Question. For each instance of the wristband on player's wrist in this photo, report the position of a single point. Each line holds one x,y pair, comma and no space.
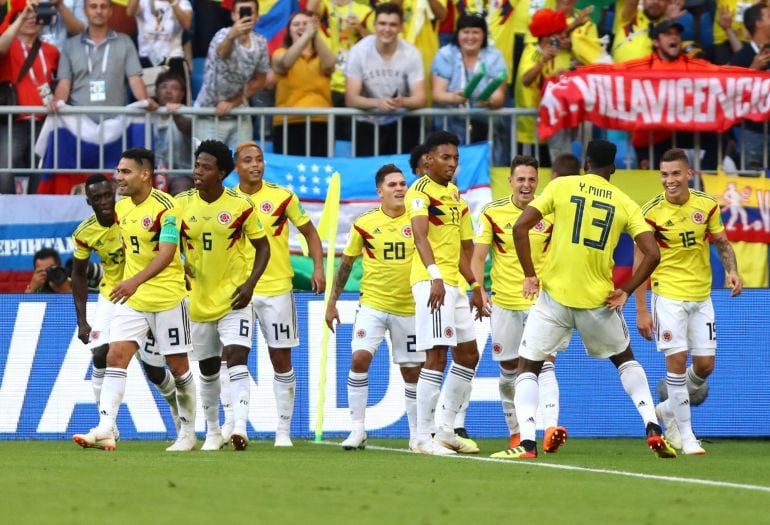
434,272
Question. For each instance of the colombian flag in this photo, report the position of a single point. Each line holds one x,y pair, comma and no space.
273,19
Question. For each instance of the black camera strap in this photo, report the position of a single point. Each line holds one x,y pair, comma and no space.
30,60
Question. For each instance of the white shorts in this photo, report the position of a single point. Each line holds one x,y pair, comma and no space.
148,353
507,327
170,328
209,338
277,317
603,331
449,325
100,329
684,325
369,331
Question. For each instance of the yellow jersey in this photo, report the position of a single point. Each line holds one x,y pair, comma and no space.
276,206
443,208
387,246
684,272
632,37
589,214
105,241
736,8
140,227
495,228
214,239
339,36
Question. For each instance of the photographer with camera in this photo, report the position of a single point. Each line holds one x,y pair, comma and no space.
60,19
49,275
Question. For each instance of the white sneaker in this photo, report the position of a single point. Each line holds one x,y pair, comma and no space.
214,442
116,433
451,442
692,448
433,448
413,444
356,440
94,439
227,430
185,442
673,436
282,439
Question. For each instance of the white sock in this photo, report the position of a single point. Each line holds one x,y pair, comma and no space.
549,395
506,387
358,395
410,403
167,389
694,381
97,378
460,417
284,386
113,389
679,403
210,402
240,391
186,400
428,388
225,395
456,394
635,384
526,399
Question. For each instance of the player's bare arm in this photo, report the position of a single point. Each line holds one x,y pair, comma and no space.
317,281
478,260
646,243
422,245
644,321
242,295
478,297
727,256
529,217
340,280
80,297
125,289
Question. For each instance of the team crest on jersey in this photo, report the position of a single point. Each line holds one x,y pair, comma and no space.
539,227
497,348
406,231
667,336
360,333
266,207
448,332
146,222
698,217
224,218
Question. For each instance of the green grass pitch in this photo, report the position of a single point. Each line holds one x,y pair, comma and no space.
592,481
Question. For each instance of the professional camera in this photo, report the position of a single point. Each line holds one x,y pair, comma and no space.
56,275
555,41
46,12
94,274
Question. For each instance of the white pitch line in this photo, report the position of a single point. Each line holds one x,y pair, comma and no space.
530,463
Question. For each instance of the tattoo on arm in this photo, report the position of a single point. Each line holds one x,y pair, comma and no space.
343,272
726,255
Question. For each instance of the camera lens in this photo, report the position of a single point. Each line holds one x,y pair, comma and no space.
56,275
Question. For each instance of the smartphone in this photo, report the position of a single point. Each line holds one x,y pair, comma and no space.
244,12
555,41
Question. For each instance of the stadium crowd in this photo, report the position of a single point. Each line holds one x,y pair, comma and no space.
365,54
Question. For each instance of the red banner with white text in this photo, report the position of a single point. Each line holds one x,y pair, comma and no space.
712,99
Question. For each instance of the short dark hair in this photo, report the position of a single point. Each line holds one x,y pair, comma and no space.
752,15
141,156
388,8
601,153
566,164
384,171
218,150
471,20
96,178
524,160
46,253
673,155
438,138
415,156
170,75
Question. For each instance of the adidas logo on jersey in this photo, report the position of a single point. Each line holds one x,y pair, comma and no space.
508,226
376,231
193,219
669,223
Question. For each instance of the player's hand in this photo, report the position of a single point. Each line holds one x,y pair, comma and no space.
531,287
332,315
242,295
480,302
644,324
318,281
734,281
436,297
84,333
123,291
616,300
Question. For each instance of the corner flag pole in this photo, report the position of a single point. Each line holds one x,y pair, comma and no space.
327,229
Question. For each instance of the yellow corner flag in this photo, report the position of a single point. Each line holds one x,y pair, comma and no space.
327,230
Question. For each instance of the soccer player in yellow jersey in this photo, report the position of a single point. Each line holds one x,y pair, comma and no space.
273,298
383,236
100,233
589,214
217,225
151,297
682,317
442,314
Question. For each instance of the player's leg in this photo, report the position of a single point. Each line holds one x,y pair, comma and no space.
154,365
507,326
225,396
99,365
100,343
555,435
405,355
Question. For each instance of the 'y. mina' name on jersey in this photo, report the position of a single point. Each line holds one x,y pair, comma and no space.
589,214
444,209
215,236
387,246
140,226
495,228
105,241
276,207
684,272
